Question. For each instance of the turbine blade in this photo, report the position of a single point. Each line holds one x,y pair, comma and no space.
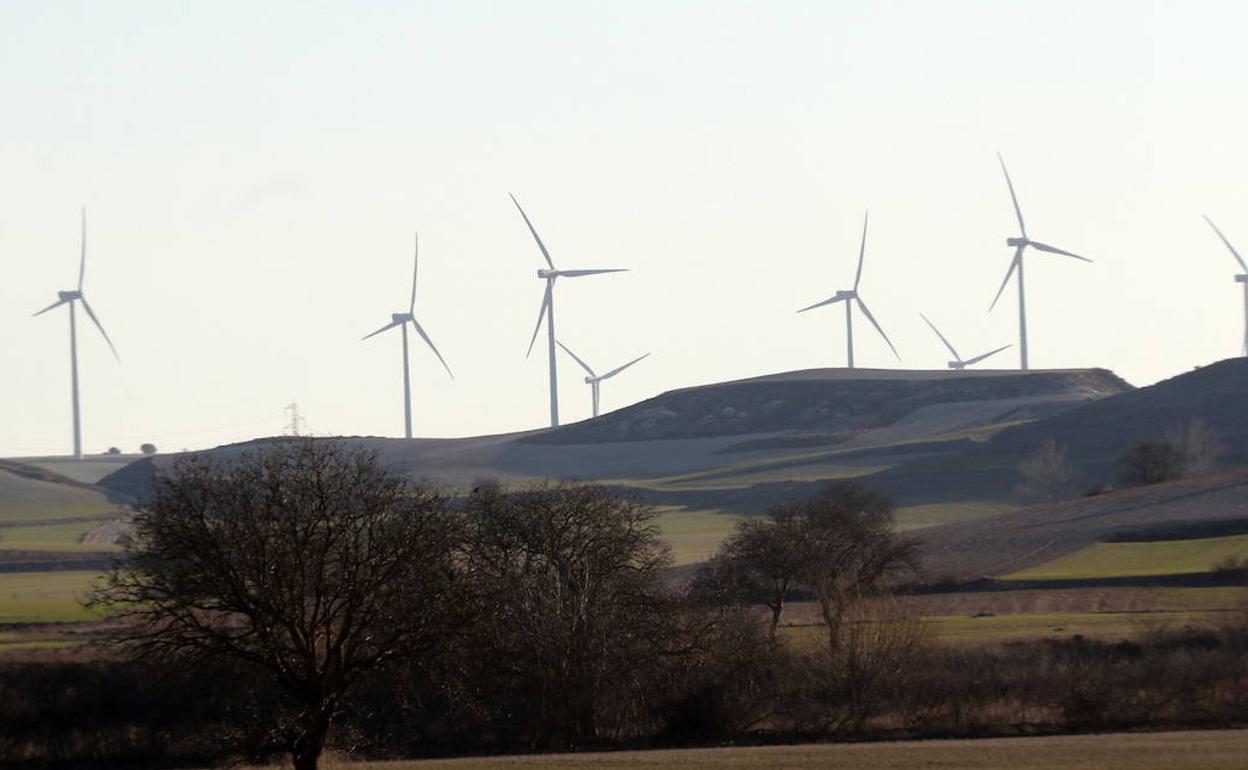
576,358
56,304
415,264
862,251
1018,255
82,262
87,307
1234,253
1054,250
432,347
863,307
541,313
932,326
979,358
827,301
536,237
619,369
579,273
1013,197
390,325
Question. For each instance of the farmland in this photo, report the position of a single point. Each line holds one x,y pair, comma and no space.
1195,750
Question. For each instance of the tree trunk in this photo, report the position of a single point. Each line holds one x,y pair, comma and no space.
305,753
776,609
831,619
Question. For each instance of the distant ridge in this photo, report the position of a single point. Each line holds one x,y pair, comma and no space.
826,400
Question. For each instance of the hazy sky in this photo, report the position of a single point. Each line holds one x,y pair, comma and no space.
253,174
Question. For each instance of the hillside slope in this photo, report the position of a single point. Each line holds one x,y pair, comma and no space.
1014,541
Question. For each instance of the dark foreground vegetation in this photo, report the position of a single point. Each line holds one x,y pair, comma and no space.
305,598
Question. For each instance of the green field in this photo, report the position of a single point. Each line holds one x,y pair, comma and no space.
934,514
1194,750
44,597
88,470
694,535
52,537
1163,557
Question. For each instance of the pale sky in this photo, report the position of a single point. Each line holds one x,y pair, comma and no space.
253,174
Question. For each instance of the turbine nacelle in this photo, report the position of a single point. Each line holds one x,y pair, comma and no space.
547,274
957,365
1241,278
401,318
1016,242
69,296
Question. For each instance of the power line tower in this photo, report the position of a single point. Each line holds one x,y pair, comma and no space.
292,427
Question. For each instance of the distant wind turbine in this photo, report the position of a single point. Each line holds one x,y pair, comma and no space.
547,310
594,380
852,294
401,320
1241,278
958,362
1020,245
70,298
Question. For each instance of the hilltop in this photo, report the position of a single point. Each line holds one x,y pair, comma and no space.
737,425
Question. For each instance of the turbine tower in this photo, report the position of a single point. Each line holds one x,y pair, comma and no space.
594,380
401,320
958,363
852,294
1241,278
71,298
547,310
1020,245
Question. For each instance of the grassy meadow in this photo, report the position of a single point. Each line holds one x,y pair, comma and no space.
1162,557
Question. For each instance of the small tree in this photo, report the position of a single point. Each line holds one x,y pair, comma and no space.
759,561
848,548
307,562
1152,461
148,449
1044,473
112,450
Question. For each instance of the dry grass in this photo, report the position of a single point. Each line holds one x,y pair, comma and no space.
1196,750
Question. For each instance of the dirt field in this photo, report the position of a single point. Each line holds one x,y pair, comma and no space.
1203,750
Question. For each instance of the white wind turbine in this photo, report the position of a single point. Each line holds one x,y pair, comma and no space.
958,362
547,310
401,320
71,298
1020,245
1241,278
594,380
852,294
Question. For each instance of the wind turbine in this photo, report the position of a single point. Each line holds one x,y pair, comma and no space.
1241,278
593,380
1020,245
401,320
958,362
548,309
852,294
70,298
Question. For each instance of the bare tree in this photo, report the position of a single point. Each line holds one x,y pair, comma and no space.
1199,445
1044,474
759,561
569,581
305,561
848,548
